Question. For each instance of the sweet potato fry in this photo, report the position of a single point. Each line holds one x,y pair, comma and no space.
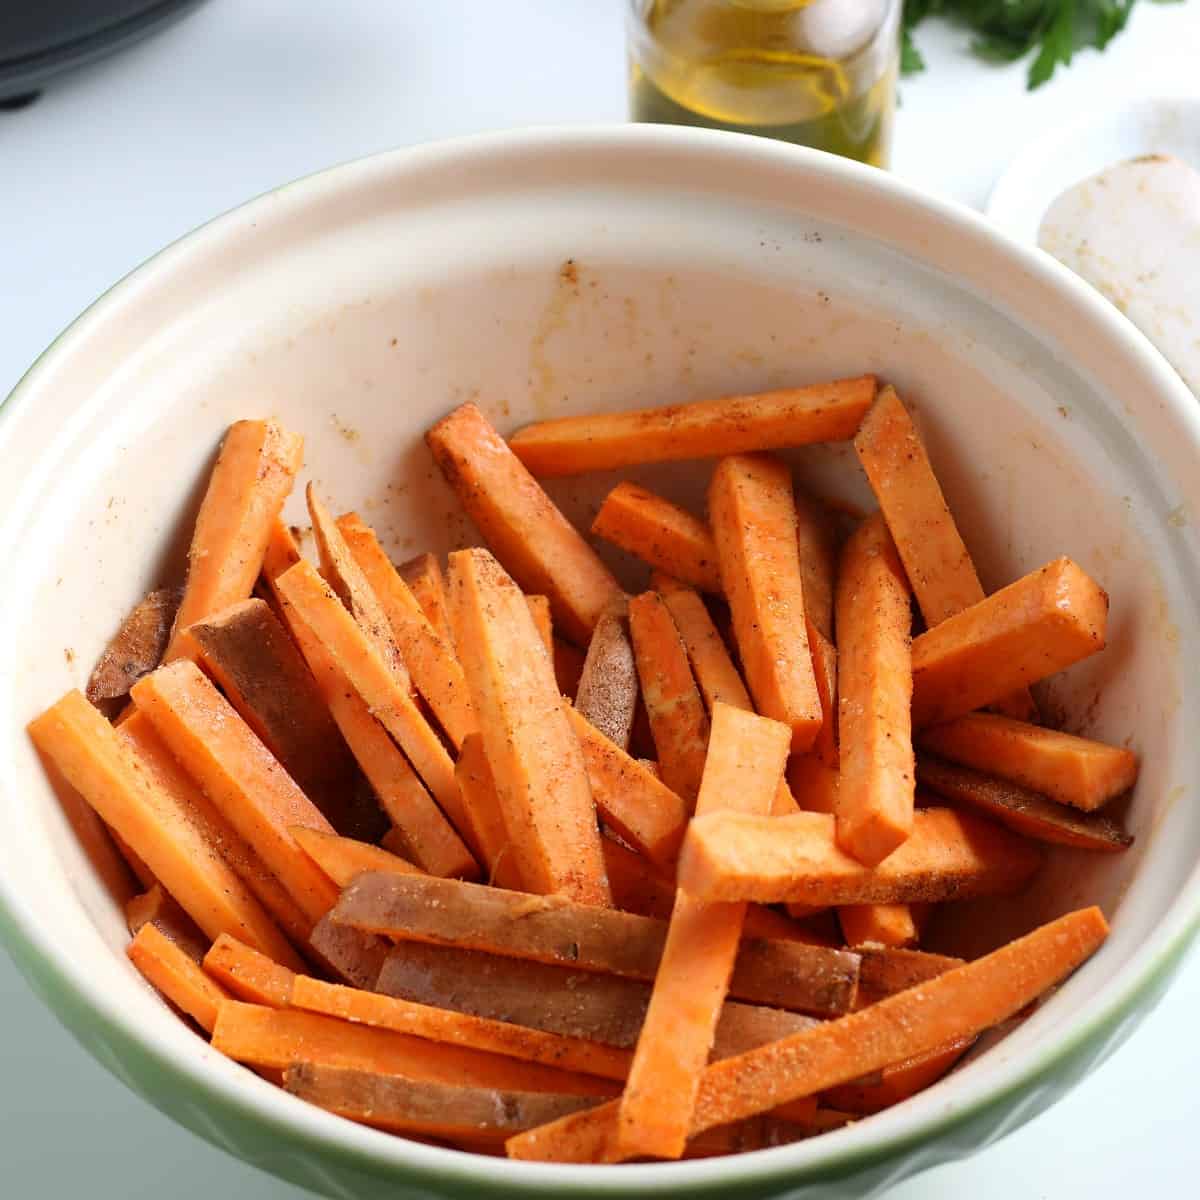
883,971
537,764
343,859
607,694
716,674
958,1004
552,930
263,675
814,783
633,801
354,957
344,657
1067,769
439,1024
254,473
280,1038
423,1107
1041,624
816,543
678,721
239,775
535,543
247,975
430,660
949,856
753,518
574,1004
827,412
94,760
875,772
1020,809
490,839
878,924
896,1082
423,575
136,648
742,772
825,669
155,907
660,533
539,610
177,976
637,886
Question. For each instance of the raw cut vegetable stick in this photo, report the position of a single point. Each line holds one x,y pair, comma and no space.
248,975
156,907
430,660
949,856
959,1004
936,560
152,754
423,575
342,859
94,760
491,840
753,517
346,657
875,772
678,721
1067,769
553,930
826,412
1029,814
630,797
607,694
660,533
422,1107
268,1037
576,1004
264,676
354,957
439,1024
883,971
239,775
878,924
539,610
1041,624
177,976
743,770
816,543
136,648
896,1082
536,544
254,473
537,764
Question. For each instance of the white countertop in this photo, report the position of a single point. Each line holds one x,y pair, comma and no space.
113,163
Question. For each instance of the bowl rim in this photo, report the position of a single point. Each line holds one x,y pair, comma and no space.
66,988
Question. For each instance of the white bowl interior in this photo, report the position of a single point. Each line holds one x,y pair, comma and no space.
361,306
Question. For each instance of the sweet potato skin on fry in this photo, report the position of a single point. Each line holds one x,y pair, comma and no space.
535,543
608,688
827,412
136,648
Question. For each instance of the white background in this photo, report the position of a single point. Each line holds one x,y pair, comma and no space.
113,163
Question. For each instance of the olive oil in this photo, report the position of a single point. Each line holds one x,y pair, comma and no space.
817,73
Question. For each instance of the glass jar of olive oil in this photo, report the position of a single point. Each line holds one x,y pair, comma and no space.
816,72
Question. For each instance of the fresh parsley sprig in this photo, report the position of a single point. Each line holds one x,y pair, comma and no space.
1006,30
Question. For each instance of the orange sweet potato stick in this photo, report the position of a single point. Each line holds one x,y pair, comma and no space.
176,976
937,562
1028,813
423,575
254,473
475,1117
878,924
677,718
248,975
262,673
342,859
660,533
460,1029
743,770
753,516
268,1037
156,907
633,801
349,658
239,775
816,544
637,887
537,764
1041,624
535,543
607,694
959,1004
827,412
875,784
896,1082
949,856
431,661
103,769
492,845
1067,769
539,610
